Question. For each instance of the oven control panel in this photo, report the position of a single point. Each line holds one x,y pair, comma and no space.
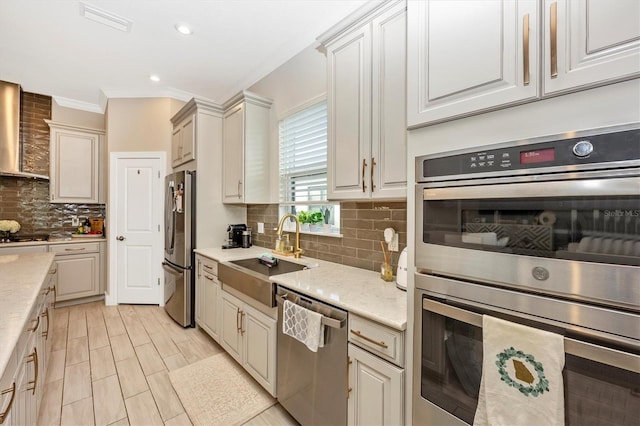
606,148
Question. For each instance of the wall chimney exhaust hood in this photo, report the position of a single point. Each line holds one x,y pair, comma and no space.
10,149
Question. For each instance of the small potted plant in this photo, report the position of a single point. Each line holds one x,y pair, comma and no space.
304,218
316,219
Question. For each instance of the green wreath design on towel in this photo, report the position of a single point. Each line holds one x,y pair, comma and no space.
512,354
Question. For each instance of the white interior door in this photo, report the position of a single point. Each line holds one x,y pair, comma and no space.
136,237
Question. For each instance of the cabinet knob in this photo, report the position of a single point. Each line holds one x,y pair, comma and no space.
120,238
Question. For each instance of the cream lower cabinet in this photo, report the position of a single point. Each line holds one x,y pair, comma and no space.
78,270
376,373
249,336
208,296
22,383
367,154
377,389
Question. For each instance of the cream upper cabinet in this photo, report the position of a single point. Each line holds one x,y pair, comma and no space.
245,149
468,56
76,164
595,42
183,141
366,105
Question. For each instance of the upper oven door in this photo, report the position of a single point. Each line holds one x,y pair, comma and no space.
560,234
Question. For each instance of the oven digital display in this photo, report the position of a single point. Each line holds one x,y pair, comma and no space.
537,156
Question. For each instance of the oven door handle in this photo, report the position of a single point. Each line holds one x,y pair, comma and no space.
566,188
590,351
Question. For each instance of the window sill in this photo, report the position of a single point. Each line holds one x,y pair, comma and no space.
320,233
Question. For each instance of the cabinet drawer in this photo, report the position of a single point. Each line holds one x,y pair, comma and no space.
209,266
378,339
64,249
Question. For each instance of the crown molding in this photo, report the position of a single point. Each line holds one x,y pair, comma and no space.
75,104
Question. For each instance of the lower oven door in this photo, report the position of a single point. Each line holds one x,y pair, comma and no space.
601,383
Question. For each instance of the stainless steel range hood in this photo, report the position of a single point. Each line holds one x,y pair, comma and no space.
10,149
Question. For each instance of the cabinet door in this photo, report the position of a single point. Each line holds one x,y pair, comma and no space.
260,347
74,168
230,337
388,131
469,56
176,146
595,42
377,396
233,155
349,115
210,312
188,142
78,276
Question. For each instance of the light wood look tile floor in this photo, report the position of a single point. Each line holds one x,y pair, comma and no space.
110,365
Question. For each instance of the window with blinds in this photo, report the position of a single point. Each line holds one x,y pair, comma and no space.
303,156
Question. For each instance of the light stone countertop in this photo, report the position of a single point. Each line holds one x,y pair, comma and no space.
21,278
356,290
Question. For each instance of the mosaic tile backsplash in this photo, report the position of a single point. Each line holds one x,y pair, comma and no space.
27,200
362,225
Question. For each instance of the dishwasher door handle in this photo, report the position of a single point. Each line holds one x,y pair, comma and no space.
328,321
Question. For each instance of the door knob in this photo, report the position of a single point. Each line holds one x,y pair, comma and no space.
120,238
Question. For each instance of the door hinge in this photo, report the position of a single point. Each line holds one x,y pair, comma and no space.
158,228
158,281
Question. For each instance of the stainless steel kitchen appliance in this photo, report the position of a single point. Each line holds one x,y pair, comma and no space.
312,386
179,241
542,232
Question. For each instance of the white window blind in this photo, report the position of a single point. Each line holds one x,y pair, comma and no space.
303,155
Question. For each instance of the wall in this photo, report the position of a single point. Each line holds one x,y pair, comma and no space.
78,117
27,200
361,223
140,124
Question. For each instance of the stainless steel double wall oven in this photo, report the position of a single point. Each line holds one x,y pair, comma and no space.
541,232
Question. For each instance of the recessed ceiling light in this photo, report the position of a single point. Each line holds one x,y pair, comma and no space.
107,18
183,28
154,78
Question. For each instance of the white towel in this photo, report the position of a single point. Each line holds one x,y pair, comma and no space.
303,325
521,376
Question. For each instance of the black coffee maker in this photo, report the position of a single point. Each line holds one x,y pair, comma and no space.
235,236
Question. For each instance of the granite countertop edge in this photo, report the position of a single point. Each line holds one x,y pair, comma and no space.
359,291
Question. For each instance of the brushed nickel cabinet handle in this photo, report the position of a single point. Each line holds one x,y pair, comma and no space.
12,389
208,277
553,42
199,263
238,319
364,166
369,339
82,248
373,163
55,295
242,330
34,358
526,77
239,185
204,265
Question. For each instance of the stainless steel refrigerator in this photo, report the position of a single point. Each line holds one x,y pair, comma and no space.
179,240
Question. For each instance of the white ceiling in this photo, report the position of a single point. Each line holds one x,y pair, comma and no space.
49,48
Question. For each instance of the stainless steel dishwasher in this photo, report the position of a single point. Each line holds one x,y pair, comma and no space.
312,386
